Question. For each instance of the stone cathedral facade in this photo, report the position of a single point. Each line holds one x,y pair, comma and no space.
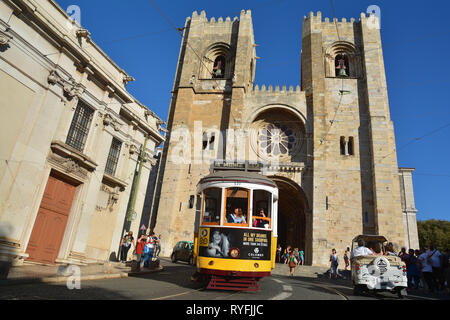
327,142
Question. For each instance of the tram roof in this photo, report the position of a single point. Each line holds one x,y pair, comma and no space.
242,176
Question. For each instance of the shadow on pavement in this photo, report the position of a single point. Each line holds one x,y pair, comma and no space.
175,273
344,286
44,291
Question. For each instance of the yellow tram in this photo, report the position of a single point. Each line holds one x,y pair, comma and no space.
236,229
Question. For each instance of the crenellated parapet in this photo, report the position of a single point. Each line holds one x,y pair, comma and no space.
213,20
317,18
292,98
270,90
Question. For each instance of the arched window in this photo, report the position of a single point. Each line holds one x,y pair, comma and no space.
342,59
217,62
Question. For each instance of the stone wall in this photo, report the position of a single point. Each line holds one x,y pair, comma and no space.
346,167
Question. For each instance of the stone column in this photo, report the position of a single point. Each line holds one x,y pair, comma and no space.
408,208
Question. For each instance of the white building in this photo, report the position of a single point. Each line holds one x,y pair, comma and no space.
70,140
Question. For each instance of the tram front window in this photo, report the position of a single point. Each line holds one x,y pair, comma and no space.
261,209
237,206
211,205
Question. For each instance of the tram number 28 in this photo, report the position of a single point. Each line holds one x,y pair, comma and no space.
204,237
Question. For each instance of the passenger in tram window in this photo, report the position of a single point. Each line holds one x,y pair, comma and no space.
260,223
237,216
206,217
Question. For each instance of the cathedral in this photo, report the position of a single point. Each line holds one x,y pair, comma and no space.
328,143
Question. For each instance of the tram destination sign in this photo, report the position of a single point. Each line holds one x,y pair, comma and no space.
243,166
218,242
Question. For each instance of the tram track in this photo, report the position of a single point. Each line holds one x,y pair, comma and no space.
288,290
334,290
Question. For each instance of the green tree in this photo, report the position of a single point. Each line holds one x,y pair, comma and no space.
436,231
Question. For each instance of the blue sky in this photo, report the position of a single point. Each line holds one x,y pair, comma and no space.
416,43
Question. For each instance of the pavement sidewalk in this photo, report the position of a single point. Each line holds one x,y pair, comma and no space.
37,273
309,271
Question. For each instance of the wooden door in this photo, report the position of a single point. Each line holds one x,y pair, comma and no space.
51,221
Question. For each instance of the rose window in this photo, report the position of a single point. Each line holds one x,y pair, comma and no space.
277,139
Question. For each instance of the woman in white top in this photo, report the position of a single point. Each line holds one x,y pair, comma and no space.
237,216
334,264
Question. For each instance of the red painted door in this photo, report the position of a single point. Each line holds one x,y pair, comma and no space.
51,220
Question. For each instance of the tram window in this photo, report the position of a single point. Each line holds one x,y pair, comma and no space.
211,205
237,206
261,209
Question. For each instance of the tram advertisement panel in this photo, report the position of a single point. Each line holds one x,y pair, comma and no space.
223,242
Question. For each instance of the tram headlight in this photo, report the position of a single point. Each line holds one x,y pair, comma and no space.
235,253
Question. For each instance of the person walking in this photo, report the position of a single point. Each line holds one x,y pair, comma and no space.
347,258
427,271
297,255
334,261
417,253
157,246
286,254
292,262
434,259
446,268
140,248
148,251
403,255
278,254
125,245
301,254
412,269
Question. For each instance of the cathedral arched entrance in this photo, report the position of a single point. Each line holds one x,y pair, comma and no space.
293,222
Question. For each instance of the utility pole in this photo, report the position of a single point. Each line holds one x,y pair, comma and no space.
136,186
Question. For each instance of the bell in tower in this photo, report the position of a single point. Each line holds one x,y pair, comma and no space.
341,65
219,67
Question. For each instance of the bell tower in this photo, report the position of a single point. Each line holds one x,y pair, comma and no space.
354,168
215,71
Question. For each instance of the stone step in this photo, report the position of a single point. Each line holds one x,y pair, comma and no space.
300,270
312,272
